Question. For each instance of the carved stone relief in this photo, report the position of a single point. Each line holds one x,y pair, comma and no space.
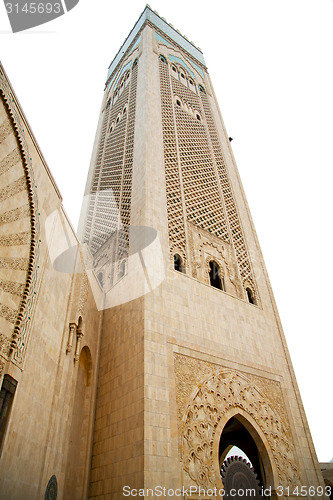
199,190
83,293
19,231
4,344
204,394
273,393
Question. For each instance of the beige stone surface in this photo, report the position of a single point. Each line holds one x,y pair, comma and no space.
327,471
217,332
136,386
47,423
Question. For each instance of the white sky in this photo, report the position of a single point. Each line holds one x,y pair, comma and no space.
271,67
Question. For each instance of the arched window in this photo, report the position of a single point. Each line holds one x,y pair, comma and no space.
162,58
178,263
108,104
250,296
214,276
183,76
202,89
135,63
178,102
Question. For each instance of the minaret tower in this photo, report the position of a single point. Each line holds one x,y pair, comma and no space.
193,357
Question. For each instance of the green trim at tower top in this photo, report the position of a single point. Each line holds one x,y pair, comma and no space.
162,25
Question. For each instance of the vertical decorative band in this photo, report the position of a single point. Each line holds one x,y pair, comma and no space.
176,224
28,291
243,259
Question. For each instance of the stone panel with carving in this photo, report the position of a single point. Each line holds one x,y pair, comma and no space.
204,394
19,230
273,392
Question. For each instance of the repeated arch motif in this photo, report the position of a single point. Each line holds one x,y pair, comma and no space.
181,74
120,85
121,115
193,112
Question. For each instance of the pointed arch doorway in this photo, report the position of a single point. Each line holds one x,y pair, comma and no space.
248,472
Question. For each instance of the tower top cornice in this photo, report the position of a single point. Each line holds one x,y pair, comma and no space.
153,18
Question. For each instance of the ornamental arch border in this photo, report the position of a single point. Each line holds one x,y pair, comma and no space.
212,403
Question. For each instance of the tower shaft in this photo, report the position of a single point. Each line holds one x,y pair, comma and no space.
193,356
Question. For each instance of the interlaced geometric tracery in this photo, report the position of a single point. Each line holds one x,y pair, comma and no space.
238,239
174,198
193,161
203,202
110,196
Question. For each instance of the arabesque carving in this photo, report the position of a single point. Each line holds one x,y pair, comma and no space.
4,344
8,161
217,394
83,293
273,392
18,264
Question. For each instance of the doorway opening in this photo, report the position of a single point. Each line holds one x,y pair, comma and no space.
240,461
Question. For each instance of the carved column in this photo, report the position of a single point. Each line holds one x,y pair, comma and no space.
72,330
79,335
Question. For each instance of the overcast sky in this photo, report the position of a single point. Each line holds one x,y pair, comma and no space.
272,71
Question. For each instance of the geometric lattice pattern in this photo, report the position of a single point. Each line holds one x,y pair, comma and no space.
197,183
238,239
126,185
176,224
110,196
204,206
